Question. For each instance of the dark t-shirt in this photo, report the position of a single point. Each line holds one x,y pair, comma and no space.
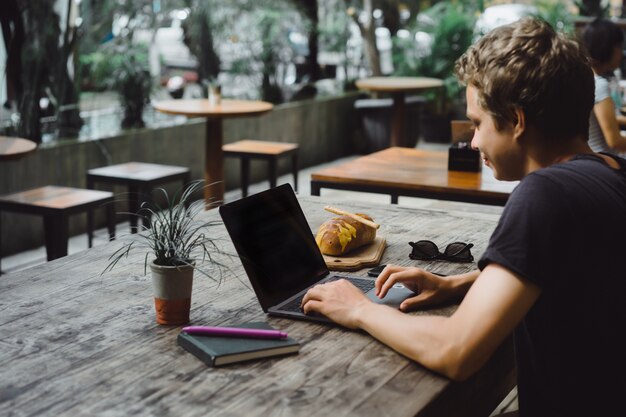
564,229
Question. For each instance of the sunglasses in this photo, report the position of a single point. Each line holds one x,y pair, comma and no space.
425,250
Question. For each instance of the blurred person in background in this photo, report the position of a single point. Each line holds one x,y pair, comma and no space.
603,41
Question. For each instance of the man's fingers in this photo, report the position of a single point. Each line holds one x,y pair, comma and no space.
402,276
383,277
413,303
312,294
311,306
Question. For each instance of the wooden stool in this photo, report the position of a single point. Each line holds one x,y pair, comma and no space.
140,178
270,151
56,204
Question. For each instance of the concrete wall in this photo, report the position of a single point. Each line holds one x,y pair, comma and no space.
324,128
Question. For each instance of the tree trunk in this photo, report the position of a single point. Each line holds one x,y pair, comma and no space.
29,126
371,51
368,33
309,8
65,89
13,33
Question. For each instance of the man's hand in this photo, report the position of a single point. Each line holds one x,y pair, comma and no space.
337,300
430,289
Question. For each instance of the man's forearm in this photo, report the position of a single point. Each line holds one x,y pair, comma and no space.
461,283
425,339
420,338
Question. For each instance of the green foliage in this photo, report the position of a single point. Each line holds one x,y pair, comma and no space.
175,237
451,27
132,81
199,38
263,46
96,68
97,18
122,67
334,32
557,14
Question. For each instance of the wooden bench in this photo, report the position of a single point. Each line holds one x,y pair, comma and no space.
55,205
269,151
140,178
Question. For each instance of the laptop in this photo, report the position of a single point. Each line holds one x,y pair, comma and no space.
278,251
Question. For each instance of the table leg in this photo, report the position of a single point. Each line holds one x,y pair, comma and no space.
0,243
245,175
134,202
90,221
56,236
315,188
398,121
213,164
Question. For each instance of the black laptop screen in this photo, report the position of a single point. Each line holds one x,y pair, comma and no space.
275,244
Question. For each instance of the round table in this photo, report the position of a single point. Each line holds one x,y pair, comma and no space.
15,148
213,155
398,87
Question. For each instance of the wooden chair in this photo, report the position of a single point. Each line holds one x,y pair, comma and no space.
269,151
55,205
140,178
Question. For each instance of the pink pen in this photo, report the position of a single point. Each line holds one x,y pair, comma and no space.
235,332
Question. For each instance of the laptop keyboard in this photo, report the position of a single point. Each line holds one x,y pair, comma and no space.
363,284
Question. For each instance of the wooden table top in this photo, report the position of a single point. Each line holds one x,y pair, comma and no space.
203,108
255,147
405,170
14,148
138,171
54,197
78,343
398,84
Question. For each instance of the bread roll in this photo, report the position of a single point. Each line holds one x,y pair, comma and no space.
340,235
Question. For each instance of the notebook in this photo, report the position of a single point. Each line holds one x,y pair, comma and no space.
219,350
279,254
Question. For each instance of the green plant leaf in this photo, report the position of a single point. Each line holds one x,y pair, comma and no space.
175,236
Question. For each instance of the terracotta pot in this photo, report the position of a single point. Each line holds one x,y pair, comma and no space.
172,293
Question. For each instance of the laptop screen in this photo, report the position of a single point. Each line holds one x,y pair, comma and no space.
275,244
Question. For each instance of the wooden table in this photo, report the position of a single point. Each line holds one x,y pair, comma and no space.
15,148
398,87
413,173
78,343
213,156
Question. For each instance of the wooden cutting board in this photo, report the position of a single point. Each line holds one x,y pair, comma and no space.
368,255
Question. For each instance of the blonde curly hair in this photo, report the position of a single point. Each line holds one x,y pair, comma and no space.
528,65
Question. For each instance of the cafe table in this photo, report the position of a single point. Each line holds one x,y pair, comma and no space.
398,87
214,114
12,148
78,343
413,173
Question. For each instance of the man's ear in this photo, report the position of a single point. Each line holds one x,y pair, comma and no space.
519,127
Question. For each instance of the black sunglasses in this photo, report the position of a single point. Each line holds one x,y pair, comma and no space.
425,250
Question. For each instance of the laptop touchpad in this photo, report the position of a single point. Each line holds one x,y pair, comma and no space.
395,296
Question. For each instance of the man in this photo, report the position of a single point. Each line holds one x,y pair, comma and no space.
553,272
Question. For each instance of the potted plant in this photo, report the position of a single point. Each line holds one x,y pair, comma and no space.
176,244
123,67
133,83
